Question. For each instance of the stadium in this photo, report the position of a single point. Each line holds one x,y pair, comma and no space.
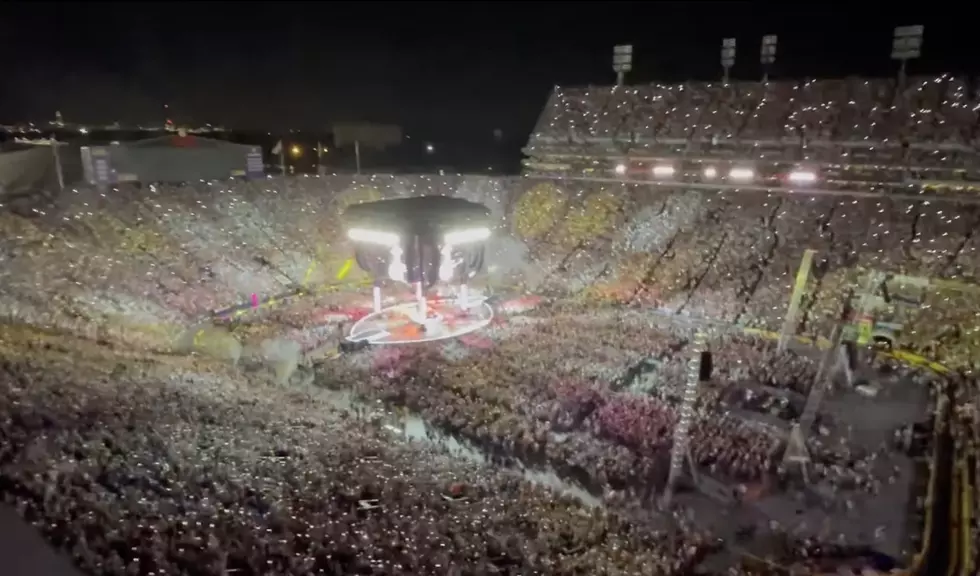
721,328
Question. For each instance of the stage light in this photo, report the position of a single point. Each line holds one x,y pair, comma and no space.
710,173
663,171
466,236
620,169
446,265
802,177
396,266
373,237
741,174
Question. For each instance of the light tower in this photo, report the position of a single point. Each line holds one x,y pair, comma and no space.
622,61
767,57
681,448
906,45
727,56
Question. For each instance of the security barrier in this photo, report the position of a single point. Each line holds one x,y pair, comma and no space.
955,521
917,563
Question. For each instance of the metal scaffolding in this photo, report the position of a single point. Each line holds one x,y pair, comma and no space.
681,448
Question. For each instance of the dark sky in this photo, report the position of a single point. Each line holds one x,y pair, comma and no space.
443,70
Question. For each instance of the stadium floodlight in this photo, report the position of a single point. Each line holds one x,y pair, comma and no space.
620,169
802,177
727,56
767,56
906,45
466,236
741,174
373,237
663,171
710,173
622,61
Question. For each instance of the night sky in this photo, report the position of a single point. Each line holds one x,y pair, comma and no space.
445,71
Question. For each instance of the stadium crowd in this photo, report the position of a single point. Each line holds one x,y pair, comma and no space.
239,474
141,461
930,122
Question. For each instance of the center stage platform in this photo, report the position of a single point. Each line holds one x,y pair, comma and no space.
402,323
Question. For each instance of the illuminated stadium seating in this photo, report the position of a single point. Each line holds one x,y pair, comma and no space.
929,126
148,273
174,255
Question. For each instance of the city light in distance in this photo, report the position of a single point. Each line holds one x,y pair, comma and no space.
663,171
710,173
620,169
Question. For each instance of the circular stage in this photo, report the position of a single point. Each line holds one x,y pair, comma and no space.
400,324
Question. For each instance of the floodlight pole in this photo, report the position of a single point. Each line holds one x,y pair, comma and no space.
727,57
768,55
622,62
906,45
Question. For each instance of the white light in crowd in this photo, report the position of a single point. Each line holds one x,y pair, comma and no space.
373,237
466,236
742,174
802,177
710,172
620,169
396,266
447,266
665,171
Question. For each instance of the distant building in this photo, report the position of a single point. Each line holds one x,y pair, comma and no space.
177,158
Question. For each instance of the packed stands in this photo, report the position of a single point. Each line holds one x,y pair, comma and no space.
871,131
155,421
